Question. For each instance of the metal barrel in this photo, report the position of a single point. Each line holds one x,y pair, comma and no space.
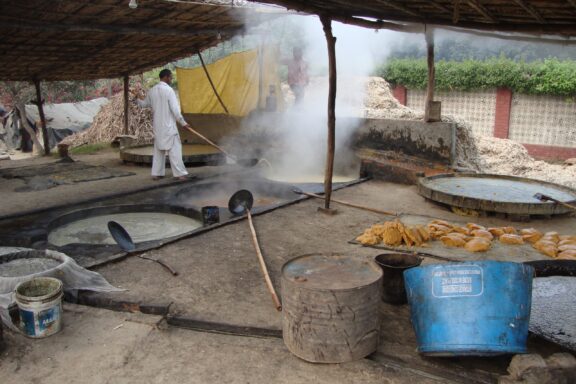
330,307
477,308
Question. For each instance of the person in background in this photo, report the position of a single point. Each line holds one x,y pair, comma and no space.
297,74
166,112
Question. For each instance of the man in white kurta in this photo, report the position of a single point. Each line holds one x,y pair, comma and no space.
166,112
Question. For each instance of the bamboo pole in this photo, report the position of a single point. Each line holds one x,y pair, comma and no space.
126,102
211,143
331,43
431,73
271,289
39,104
352,205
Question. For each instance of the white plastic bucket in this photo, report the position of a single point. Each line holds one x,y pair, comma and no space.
40,306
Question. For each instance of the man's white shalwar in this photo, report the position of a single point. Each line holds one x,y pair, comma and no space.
165,111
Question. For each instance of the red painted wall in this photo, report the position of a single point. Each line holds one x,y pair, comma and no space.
400,93
502,116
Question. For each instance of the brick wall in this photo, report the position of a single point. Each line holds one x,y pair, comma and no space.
543,120
502,113
478,108
546,125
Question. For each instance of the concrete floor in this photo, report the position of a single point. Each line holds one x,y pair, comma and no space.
220,281
17,202
98,346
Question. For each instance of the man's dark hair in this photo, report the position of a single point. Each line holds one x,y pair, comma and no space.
164,73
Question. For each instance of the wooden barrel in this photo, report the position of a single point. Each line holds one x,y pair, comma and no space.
330,307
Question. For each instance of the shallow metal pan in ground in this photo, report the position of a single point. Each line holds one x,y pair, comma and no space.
96,237
266,194
495,193
191,154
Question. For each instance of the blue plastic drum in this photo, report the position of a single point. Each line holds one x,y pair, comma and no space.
478,308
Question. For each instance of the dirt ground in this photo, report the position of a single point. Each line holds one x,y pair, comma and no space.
220,281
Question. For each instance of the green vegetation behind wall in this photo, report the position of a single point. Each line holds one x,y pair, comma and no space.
547,77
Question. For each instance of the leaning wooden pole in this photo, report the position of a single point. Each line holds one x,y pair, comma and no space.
331,42
126,104
212,83
40,105
431,74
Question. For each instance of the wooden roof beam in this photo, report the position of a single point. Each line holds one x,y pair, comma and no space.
440,7
350,20
573,2
530,9
116,29
400,8
481,10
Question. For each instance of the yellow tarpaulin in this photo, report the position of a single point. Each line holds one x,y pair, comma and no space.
239,80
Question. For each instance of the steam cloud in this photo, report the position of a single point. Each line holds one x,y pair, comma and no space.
297,137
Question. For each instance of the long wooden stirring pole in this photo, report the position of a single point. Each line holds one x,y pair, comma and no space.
211,143
342,202
263,264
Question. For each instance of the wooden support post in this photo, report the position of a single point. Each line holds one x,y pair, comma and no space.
40,105
331,42
126,102
428,116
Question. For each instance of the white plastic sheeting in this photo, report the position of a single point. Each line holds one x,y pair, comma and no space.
73,276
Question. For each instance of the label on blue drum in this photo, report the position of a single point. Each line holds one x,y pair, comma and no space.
457,281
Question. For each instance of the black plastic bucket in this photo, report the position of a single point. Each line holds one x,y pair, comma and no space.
210,215
393,266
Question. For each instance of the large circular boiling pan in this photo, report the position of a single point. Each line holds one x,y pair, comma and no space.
496,193
191,154
145,222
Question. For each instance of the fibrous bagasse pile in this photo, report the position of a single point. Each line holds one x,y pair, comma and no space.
109,123
479,154
507,157
380,103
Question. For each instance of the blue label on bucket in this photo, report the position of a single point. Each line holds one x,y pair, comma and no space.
47,318
457,280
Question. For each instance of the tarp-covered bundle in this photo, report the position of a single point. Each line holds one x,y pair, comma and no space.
67,118
62,120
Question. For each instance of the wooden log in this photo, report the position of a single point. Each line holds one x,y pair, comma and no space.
431,74
39,104
332,84
126,101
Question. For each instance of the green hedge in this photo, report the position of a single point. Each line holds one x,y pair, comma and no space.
549,77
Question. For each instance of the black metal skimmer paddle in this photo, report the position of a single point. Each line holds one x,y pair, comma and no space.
124,241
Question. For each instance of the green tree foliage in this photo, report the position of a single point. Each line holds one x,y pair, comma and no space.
547,77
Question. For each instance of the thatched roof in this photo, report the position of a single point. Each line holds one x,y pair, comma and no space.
555,17
82,39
